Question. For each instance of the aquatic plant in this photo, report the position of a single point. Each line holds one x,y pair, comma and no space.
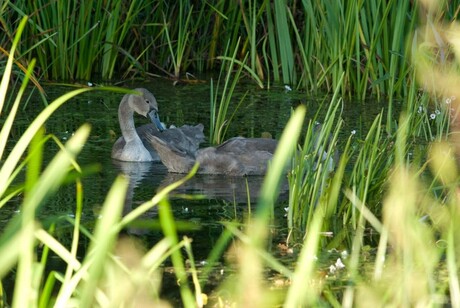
312,167
177,53
306,45
220,101
76,40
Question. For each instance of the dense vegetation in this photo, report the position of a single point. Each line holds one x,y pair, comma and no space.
306,44
384,181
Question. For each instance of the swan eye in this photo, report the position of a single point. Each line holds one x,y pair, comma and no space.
147,101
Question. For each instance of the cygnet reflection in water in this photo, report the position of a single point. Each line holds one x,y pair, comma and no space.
238,190
138,174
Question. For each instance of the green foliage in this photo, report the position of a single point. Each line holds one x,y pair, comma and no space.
220,102
356,46
385,188
74,40
310,175
177,53
81,280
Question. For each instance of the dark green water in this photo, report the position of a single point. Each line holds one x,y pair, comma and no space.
226,198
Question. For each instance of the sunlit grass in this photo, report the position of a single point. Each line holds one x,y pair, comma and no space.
311,46
220,100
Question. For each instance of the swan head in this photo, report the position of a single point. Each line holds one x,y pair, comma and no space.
146,105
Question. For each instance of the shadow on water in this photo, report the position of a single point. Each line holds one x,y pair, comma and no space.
214,192
240,190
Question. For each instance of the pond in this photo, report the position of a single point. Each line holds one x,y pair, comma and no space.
218,198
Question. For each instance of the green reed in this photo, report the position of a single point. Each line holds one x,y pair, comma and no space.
310,176
182,38
413,224
220,101
303,44
116,35
371,166
404,275
73,40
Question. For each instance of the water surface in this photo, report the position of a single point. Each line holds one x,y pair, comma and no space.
222,198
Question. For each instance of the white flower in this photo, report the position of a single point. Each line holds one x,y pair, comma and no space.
332,269
420,109
339,264
353,132
448,101
432,116
287,88
437,112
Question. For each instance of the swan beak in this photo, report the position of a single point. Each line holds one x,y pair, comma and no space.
156,120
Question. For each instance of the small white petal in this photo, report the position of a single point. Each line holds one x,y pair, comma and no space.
332,269
339,264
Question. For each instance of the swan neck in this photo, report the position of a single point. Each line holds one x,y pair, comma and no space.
126,119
